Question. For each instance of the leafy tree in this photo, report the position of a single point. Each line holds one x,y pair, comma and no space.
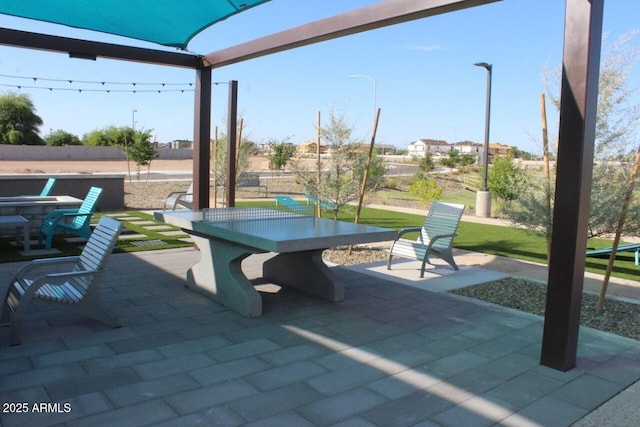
505,179
19,122
466,160
338,183
110,136
142,151
60,138
425,189
452,160
377,170
616,122
280,152
426,163
219,162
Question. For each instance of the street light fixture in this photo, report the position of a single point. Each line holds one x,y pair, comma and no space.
483,197
364,76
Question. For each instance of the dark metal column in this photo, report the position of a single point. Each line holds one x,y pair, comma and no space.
232,135
579,94
201,138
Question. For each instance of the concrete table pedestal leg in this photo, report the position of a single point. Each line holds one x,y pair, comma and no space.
219,276
305,271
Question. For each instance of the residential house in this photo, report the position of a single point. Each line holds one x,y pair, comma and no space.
436,147
497,149
181,143
311,147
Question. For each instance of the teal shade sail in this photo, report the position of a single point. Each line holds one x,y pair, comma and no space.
166,22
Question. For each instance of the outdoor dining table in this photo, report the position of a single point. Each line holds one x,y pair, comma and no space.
35,208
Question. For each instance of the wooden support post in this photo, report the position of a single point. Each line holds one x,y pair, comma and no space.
201,139
232,128
579,95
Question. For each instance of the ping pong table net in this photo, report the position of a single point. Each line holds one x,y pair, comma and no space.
256,214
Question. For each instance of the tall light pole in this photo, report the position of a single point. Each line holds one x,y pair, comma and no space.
483,197
133,119
364,76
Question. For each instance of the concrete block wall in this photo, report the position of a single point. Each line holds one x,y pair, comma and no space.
80,152
75,185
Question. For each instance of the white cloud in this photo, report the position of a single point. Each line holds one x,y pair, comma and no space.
425,48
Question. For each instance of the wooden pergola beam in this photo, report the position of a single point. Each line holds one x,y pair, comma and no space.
91,50
378,15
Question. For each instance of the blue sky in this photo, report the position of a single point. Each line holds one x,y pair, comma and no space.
425,83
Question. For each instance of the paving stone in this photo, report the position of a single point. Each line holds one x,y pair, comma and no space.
210,396
339,407
15,365
408,410
132,236
284,375
599,391
456,363
148,390
280,420
294,354
474,412
66,411
73,355
173,365
274,402
41,376
245,349
143,222
546,412
228,370
131,359
172,233
158,227
145,342
211,416
525,389
344,379
67,388
147,413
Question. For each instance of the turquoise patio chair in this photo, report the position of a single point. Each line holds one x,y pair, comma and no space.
48,187
324,204
291,204
71,221
46,190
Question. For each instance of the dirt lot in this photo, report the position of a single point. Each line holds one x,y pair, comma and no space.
105,166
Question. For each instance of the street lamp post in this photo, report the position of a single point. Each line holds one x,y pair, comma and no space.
133,119
483,196
364,76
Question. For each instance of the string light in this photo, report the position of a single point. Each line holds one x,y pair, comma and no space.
80,90
71,82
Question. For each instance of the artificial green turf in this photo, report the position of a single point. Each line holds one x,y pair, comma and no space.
9,253
504,241
491,239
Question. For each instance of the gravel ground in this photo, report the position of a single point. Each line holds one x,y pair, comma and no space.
620,317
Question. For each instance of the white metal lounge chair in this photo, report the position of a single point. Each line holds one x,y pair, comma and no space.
179,198
76,289
436,236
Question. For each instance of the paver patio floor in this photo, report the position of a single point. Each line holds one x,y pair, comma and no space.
388,355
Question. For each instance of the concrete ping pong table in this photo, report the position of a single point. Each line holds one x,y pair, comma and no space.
226,236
